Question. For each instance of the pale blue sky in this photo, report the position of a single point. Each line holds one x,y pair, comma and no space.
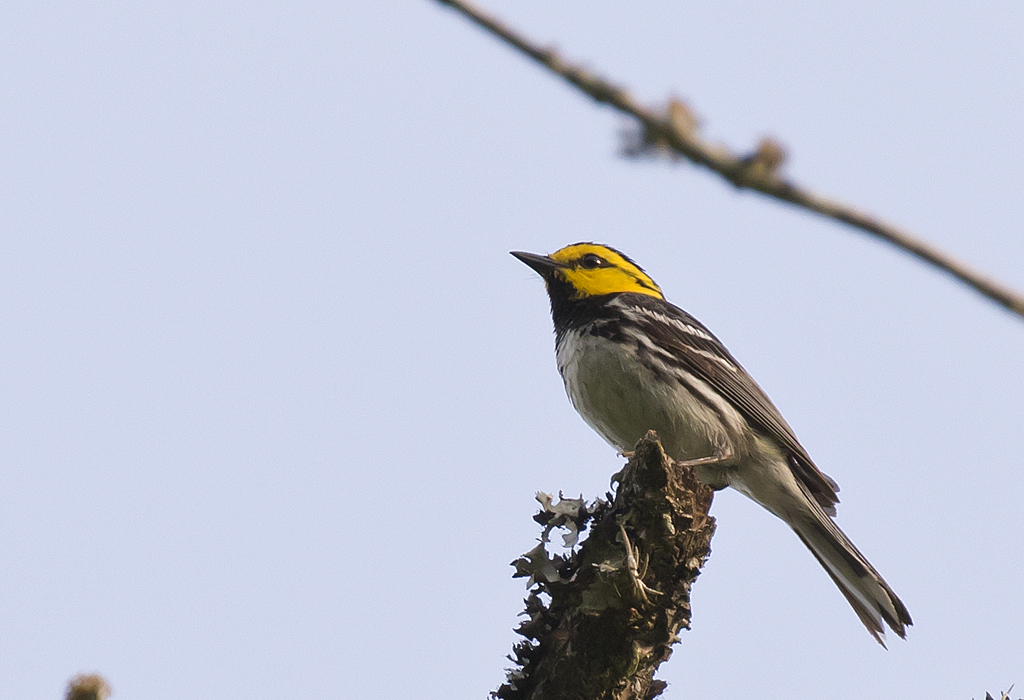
276,398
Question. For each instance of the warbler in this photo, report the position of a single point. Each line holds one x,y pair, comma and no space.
632,362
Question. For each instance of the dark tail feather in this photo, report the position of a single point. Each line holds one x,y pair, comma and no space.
865,589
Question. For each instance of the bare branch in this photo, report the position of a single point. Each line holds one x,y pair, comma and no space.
89,686
675,128
618,602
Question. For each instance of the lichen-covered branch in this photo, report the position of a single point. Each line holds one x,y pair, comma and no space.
676,130
602,619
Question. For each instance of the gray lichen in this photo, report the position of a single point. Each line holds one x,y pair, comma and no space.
615,605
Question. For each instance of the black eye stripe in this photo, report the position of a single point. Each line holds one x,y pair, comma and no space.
592,261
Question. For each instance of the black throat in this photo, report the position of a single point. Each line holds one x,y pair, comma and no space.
570,312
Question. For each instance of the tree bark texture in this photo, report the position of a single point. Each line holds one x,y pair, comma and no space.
603,618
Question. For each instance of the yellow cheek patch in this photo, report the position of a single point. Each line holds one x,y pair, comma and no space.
618,274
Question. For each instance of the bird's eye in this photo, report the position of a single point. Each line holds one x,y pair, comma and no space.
590,261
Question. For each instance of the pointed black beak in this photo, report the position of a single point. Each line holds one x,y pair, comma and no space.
541,264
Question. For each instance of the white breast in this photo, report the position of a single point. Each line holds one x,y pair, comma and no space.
621,398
